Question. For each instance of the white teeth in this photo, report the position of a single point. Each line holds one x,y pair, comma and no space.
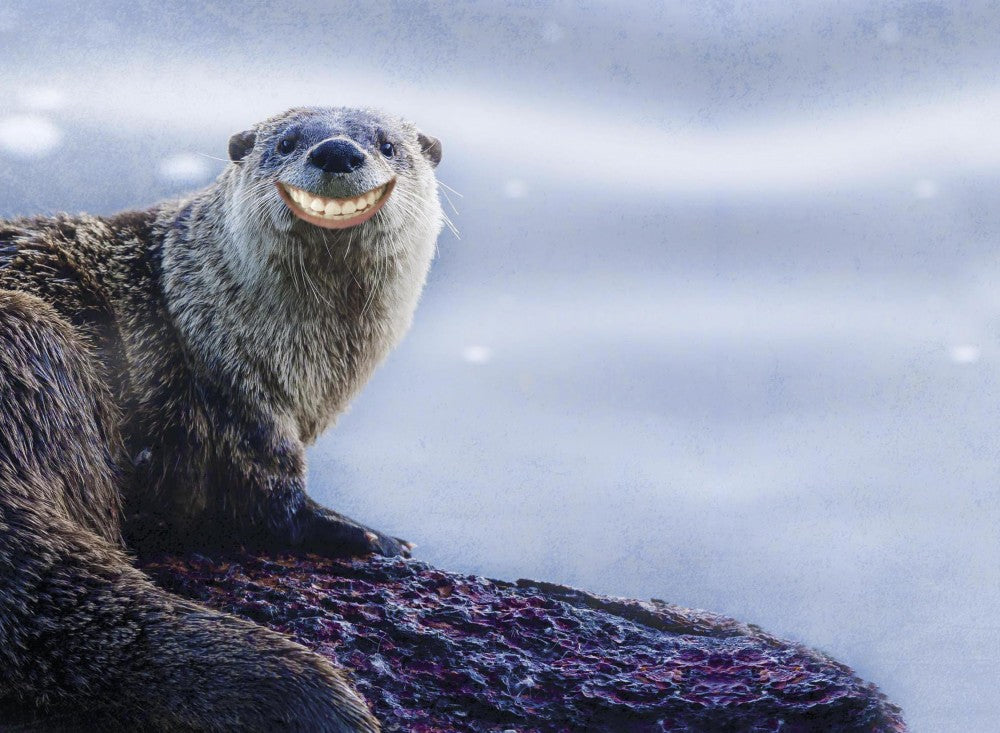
333,208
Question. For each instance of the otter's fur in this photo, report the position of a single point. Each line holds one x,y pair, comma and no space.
161,372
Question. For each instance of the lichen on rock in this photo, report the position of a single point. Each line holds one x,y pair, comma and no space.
438,651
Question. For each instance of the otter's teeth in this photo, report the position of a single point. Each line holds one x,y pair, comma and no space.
333,208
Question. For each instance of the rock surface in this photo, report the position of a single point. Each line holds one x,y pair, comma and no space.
437,651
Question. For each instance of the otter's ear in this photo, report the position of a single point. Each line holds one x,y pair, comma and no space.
240,144
430,147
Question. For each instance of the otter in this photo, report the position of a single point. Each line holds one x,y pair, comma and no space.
161,373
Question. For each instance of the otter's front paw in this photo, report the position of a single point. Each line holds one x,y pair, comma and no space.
334,535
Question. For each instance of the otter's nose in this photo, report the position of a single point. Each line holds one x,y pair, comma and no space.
337,156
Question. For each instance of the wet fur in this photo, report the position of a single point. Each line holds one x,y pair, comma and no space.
161,373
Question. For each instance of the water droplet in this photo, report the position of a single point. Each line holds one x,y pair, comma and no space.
477,354
29,136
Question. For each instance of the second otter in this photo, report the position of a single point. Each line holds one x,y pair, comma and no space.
161,373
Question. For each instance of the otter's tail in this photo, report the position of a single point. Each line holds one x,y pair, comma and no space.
83,634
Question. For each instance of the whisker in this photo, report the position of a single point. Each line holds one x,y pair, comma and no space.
448,199
442,183
221,160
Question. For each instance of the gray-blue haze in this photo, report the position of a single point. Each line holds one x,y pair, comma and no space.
722,323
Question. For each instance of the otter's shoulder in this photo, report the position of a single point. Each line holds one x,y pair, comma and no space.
76,263
80,243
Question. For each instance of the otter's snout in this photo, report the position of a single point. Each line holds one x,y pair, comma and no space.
337,156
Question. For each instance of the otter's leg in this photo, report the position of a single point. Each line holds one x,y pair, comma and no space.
248,492
326,532
82,630
278,504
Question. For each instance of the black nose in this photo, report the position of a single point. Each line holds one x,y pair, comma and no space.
337,156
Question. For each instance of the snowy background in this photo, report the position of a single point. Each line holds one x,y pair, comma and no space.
723,323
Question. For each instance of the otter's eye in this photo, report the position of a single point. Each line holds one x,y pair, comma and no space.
387,149
286,144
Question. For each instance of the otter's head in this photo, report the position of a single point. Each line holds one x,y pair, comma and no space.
319,174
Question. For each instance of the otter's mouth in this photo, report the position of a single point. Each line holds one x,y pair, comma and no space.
335,213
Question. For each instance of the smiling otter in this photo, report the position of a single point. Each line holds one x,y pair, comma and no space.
161,373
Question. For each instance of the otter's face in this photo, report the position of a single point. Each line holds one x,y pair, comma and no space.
335,169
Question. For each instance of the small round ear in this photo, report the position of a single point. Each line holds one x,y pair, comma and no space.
240,144
430,147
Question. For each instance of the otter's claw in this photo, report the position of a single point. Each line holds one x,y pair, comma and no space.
328,533
380,544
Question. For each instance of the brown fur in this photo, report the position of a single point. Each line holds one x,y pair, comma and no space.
160,375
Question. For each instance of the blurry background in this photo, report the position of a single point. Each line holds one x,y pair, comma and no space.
722,323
